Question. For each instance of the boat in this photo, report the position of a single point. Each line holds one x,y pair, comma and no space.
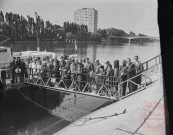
5,57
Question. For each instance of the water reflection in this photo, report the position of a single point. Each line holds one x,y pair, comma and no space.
42,110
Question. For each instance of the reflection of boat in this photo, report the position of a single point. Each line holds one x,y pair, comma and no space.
27,54
41,54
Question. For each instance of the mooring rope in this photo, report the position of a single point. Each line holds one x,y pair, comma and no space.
102,117
148,116
49,110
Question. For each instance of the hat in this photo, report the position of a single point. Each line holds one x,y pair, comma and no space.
107,62
96,60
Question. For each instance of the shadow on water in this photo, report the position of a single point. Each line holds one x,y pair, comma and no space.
41,111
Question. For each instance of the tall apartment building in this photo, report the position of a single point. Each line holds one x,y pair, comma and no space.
87,16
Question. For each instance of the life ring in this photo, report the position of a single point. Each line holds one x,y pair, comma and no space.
18,70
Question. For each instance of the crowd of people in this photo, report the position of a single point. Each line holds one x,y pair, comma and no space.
80,71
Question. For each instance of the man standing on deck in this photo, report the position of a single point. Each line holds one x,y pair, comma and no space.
131,73
107,64
73,68
75,45
110,78
23,70
139,69
96,71
13,67
123,75
89,69
18,69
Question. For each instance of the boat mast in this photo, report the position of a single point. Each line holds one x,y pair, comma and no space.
38,38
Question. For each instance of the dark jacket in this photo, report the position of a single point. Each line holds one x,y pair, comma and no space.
13,65
139,67
131,71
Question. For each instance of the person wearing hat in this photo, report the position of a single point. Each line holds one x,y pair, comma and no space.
107,64
123,76
139,69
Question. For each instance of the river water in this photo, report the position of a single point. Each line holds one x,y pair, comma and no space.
39,111
101,51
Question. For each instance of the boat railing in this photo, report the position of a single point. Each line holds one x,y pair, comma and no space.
102,85
91,83
151,73
81,82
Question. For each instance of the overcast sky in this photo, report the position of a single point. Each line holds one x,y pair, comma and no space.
139,16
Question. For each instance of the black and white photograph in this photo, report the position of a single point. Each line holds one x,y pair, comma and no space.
82,67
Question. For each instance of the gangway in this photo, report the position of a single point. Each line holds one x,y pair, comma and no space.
109,88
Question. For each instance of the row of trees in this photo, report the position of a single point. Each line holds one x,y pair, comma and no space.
17,27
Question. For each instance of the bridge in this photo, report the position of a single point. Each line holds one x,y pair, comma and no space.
108,88
135,37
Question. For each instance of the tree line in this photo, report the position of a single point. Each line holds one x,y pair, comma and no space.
18,27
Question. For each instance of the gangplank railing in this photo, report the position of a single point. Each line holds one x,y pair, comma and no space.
152,71
77,82
109,87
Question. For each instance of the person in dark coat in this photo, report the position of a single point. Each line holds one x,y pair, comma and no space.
139,69
23,70
131,72
1,89
110,75
18,70
13,67
123,76
110,78
80,76
89,68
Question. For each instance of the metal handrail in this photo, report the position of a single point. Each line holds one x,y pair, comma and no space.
112,85
141,74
